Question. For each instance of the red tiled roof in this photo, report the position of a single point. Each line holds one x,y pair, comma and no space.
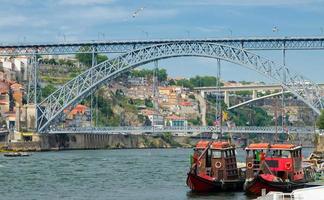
175,117
16,86
78,109
185,103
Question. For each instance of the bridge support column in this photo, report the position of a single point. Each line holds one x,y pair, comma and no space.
226,98
202,93
254,94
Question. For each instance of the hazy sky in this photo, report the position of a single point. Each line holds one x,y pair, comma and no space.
75,20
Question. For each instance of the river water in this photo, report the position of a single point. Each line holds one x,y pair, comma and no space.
102,174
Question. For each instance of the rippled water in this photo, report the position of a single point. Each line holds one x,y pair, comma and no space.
101,174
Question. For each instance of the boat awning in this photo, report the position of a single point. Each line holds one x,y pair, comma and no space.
202,144
256,146
220,145
284,147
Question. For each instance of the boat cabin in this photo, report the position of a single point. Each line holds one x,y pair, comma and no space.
219,161
254,153
285,161
223,161
198,150
281,160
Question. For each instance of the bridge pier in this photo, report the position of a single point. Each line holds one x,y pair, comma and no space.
202,93
226,98
254,94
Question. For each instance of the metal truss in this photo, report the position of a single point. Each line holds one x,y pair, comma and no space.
190,130
82,85
256,99
33,84
252,43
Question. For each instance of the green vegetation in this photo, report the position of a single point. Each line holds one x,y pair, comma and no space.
86,58
250,116
191,96
148,103
168,138
195,122
47,90
198,81
320,120
161,73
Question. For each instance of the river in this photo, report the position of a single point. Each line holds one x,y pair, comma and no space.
151,174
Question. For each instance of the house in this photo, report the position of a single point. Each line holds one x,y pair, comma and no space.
137,81
17,93
79,116
175,120
155,118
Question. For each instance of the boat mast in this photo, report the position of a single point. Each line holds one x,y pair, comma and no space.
218,114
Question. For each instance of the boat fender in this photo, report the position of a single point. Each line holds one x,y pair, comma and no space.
249,165
218,165
288,165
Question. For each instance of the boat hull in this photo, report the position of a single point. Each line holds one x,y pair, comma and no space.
200,184
258,183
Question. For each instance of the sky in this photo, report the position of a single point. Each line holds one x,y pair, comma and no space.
84,20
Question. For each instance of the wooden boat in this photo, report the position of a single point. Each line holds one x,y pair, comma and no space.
214,168
276,167
16,154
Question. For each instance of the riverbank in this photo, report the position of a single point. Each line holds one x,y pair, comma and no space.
99,141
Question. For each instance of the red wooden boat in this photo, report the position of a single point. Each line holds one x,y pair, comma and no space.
276,167
214,168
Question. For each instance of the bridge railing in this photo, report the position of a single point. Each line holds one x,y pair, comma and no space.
193,130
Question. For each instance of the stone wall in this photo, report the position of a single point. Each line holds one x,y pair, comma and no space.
100,141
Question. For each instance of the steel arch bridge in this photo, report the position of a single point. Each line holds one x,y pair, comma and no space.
50,109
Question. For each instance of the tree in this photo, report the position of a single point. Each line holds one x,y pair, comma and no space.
320,120
47,90
86,58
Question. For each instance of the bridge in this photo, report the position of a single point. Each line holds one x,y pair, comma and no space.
239,88
187,130
254,88
131,54
122,46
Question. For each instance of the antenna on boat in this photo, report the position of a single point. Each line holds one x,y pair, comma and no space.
283,113
218,113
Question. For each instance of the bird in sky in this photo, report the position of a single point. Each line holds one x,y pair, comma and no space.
275,29
137,12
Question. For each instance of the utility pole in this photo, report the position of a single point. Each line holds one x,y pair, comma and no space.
155,91
94,62
283,115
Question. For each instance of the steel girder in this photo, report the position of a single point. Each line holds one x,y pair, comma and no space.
82,85
252,43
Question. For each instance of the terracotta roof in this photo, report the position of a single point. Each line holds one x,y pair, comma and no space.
283,146
78,109
220,145
16,86
3,102
175,117
185,103
202,144
259,146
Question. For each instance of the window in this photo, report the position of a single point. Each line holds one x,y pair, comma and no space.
216,154
285,154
